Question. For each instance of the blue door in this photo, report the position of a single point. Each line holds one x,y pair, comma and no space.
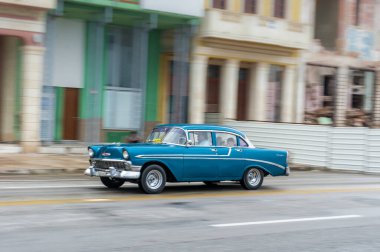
231,162
231,156
200,162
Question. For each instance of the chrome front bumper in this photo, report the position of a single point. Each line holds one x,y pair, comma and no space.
112,168
111,173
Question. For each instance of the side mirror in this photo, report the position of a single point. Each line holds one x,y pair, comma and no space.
189,143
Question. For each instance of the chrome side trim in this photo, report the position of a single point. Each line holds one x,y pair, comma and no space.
183,156
223,157
266,162
111,160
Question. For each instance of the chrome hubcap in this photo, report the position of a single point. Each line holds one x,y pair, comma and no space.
154,179
254,177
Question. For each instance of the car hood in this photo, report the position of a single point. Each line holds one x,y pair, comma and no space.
115,151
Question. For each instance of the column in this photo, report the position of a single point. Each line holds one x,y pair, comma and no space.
341,96
300,92
197,89
376,105
288,94
32,75
229,89
257,92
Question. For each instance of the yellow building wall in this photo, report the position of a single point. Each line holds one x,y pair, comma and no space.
163,88
266,8
296,6
237,6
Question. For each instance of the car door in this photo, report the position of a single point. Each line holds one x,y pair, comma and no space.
200,161
231,156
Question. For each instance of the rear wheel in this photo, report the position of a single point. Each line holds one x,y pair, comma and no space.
252,179
112,182
153,179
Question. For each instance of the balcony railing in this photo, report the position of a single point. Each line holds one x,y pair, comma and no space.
254,28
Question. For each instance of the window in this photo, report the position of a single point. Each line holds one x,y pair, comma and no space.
274,93
219,4
225,139
243,90
279,8
213,88
242,142
201,138
120,58
320,94
250,6
175,136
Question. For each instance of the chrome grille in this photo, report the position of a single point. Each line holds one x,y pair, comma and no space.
107,164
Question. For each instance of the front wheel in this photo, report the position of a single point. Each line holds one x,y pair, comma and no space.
153,179
252,179
112,182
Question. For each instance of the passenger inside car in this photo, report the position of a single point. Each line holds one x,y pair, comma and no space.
231,142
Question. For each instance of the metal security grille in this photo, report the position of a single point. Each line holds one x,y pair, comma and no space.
95,81
100,164
180,76
48,95
125,92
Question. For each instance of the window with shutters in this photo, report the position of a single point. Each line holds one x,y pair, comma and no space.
250,6
219,4
279,8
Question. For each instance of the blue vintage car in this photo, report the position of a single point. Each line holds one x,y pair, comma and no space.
186,153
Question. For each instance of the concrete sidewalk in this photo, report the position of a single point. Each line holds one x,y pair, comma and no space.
13,164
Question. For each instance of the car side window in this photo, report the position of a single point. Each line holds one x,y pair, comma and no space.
225,139
201,138
242,142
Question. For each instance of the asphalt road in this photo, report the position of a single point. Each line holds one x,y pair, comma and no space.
308,211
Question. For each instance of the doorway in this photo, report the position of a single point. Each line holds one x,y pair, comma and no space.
241,113
213,88
71,114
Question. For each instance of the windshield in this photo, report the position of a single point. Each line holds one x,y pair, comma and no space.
167,135
157,134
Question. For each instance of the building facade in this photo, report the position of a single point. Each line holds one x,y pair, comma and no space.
342,64
337,96
22,29
247,61
109,67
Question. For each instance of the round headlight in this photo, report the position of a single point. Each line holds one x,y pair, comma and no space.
91,152
125,154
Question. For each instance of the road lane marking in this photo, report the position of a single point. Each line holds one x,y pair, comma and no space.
97,200
190,195
285,221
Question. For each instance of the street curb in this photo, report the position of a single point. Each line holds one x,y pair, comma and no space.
297,167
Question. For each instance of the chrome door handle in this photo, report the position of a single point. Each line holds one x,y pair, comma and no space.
239,150
213,149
